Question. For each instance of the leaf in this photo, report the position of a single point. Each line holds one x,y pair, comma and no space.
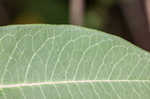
69,62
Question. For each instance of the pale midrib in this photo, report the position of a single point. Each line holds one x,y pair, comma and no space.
71,82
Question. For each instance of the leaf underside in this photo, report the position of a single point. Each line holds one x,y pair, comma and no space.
69,62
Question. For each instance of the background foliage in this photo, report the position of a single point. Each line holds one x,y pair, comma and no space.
125,18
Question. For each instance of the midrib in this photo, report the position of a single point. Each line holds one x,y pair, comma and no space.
71,82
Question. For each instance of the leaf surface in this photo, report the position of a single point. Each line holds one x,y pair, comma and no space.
69,62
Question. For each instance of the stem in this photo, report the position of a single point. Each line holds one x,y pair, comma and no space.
76,12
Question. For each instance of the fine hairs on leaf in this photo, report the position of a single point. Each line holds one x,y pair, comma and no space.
70,62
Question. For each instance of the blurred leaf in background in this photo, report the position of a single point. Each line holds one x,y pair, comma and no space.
107,16
125,18
97,13
57,12
47,11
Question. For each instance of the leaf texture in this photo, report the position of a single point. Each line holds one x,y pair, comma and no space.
69,62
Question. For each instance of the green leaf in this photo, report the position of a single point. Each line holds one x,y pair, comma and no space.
69,62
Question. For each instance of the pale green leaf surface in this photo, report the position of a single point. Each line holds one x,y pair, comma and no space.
69,62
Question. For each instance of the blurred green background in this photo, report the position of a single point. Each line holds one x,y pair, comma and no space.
96,13
125,18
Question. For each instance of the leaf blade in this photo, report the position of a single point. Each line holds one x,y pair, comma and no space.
66,62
